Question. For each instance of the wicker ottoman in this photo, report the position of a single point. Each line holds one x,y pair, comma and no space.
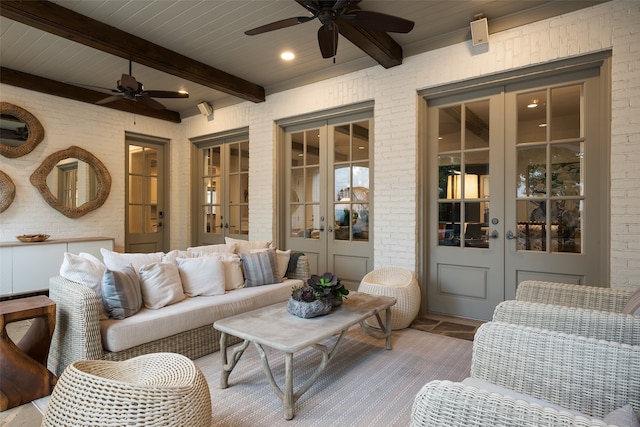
159,389
398,283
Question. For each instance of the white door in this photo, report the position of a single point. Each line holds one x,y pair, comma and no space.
145,213
328,200
513,197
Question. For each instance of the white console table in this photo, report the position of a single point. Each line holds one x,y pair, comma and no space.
27,267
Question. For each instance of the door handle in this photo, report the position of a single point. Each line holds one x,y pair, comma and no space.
330,230
494,234
159,223
321,228
510,235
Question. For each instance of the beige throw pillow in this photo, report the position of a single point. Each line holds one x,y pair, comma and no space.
210,249
245,246
86,270
160,284
117,260
201,276
233,278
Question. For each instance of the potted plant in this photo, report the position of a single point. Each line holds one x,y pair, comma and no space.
328,286
317,297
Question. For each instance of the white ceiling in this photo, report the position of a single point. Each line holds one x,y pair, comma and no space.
212,32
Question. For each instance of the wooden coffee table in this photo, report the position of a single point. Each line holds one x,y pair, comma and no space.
274,327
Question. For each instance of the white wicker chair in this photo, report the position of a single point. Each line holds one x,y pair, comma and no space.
159,389
573,377
398,283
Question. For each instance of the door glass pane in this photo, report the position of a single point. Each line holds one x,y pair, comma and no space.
449,224
342,143
566,169
450,135
532,116
234,158
476,170
312,184
477,125
312,147
532,225
297,149
448,169
244,156
135,219
475,229
234,189
312,214
234,219
143,189
360,148
531,179
565,112
135,189
565,231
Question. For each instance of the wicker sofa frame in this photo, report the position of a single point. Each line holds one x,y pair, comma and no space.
593,377
77,333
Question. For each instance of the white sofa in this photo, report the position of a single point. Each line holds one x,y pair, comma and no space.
185,327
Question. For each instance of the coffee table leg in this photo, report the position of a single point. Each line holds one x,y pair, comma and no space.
235,356
288,386
388,327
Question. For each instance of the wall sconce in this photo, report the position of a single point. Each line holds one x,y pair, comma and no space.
454,186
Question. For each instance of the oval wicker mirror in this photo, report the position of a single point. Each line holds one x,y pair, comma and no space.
80,181
21,131
7,191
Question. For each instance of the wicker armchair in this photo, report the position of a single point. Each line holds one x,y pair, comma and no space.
603,325
580,296
573,377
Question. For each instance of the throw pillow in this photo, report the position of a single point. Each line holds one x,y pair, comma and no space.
260,268
233,278
245,246
210,249
86,270
633,305
201,276
623,417
282,261
117,260
121,295
160,284
171,256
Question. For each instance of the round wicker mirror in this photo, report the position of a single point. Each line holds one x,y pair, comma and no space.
57,175
7,191
21,131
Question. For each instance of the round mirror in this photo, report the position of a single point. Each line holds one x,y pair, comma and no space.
73,181
7,191
20,133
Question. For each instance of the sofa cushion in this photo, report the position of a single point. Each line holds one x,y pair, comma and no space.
160,284
201,276
245,246
117,260
633,305
260,268
233,278
190,313
623,417
121,295
212,249
86,270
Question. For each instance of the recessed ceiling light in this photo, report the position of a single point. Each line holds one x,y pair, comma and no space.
287,55
542,125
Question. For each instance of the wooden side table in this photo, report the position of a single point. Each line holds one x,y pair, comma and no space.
24,374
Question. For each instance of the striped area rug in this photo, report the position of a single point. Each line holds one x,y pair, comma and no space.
364,384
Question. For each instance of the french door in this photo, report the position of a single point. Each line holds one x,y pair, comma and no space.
222,176
328,195
145,213
513,199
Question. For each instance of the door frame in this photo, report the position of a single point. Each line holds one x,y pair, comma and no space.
602,60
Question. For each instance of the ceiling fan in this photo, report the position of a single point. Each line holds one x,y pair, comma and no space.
129,88
336,13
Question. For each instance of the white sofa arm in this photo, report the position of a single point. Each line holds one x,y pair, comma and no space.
449,404
603,325
77,332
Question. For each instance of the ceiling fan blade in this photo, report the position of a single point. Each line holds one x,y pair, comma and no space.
164,94
289,22
150,102
109,99
106,89
328,40
378,21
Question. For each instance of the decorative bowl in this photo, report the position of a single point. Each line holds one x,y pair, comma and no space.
26,238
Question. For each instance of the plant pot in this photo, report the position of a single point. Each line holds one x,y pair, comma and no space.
336,301
307,310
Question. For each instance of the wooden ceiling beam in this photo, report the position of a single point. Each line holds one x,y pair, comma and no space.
377,44
55,19
63,90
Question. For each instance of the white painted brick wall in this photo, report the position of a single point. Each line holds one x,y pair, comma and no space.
613,25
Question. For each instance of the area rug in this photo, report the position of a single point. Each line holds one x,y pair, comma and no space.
364,385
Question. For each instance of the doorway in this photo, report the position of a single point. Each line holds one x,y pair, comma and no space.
328,200
146,214
509,197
